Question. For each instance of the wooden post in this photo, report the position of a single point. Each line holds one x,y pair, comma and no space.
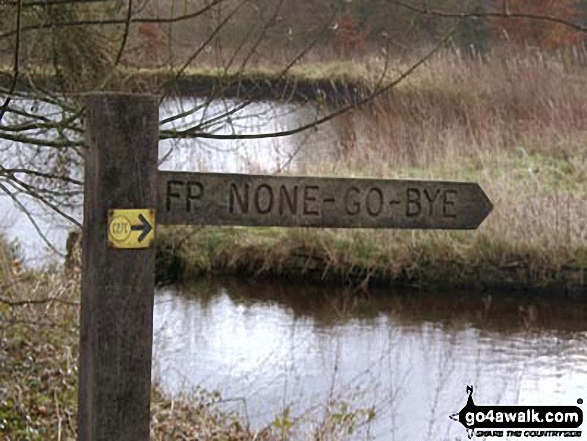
117,284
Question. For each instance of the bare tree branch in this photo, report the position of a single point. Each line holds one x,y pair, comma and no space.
31,191
46,124
33,3
121,48
191,133
269,23
15,68
41,142
23,127
12,171
21,112
32,220
237,108
197,52
39,94
35,323
227,114
505,14
45,300
108,22
125,34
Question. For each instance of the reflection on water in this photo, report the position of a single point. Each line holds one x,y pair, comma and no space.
408,354
264,155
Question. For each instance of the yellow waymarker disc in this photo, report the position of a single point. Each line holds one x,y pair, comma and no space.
119,229
131,228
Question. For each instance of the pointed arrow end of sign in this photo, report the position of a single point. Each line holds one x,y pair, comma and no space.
485,206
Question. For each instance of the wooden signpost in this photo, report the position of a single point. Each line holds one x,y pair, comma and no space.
125,196
117,283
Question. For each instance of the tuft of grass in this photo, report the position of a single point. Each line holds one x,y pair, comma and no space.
38,355
384,257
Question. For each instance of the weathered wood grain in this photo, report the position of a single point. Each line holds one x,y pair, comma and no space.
117,284
256,200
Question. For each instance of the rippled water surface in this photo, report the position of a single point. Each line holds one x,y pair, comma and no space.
409,355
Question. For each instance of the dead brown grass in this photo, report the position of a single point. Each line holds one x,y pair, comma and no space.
459,107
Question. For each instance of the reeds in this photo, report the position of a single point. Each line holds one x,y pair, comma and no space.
475,108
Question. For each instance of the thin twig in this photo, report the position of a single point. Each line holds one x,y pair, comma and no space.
197,52
243,105
38,126
109,75
190,133
12,171
30,4
41,142
19,303
32,192
16,60
32,220
505,14
125,35
113,21
12,322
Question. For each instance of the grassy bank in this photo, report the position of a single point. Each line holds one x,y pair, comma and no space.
330,82
515,123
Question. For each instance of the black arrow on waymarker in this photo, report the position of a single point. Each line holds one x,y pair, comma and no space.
145,227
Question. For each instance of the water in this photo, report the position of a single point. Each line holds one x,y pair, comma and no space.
408,355
266,155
